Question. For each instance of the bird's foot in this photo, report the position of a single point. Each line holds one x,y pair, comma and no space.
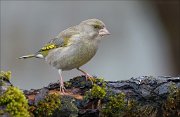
89,77
62,88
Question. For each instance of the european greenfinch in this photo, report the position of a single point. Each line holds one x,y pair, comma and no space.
73,47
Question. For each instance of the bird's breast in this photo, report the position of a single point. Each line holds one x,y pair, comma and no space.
73,56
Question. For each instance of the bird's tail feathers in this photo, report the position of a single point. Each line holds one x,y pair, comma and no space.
27,56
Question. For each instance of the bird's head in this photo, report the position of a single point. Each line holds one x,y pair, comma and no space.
98,26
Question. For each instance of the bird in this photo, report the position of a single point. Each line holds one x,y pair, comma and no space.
73,47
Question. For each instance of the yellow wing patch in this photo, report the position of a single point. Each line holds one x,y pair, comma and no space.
48,47
45,50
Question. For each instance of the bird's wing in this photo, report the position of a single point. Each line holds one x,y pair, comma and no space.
62,40
52,44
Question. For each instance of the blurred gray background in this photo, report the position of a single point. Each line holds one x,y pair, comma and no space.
140,42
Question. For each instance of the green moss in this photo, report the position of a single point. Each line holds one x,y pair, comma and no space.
46,107
96,92
68,84
1,112
98,80
6,75
119,106
171,106
141,111
115,106
2,84
15,102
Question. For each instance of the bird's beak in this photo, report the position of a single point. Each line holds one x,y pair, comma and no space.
104,31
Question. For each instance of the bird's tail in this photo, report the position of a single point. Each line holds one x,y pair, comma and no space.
27,56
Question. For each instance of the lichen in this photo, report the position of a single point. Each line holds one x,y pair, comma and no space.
15,102
46,107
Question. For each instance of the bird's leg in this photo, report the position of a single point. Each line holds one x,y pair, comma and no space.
62,88
86,74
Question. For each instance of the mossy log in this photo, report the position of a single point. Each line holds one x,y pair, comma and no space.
145,96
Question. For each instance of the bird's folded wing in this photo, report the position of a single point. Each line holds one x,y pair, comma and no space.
62,40
52,44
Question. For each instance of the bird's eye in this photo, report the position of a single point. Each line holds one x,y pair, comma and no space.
97,26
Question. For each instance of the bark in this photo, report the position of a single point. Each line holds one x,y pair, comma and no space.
145,96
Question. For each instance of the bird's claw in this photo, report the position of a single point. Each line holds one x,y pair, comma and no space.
62,89
89,77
